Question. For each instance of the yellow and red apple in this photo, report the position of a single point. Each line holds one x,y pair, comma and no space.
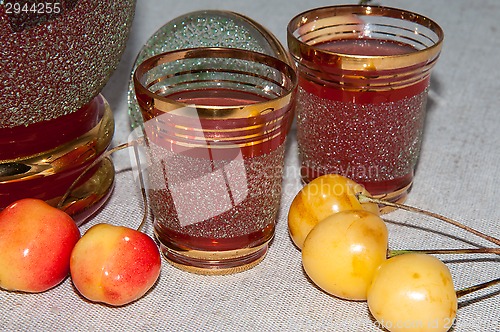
115,265
36,241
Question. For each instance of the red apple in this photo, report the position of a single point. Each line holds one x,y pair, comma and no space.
36,241
115,265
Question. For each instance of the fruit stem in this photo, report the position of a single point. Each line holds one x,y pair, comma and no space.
143,190
106,154
366,199
392,253
94,163
468,290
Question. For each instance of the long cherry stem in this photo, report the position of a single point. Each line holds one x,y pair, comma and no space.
97,161
366,199
92,165
392,253
468,290
143,190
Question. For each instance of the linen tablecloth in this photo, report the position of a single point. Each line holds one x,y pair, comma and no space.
457,175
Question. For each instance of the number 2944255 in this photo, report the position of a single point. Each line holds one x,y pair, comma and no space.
22,7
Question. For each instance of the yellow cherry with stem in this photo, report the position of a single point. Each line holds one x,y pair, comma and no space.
414,308
414,292
320,198
342,252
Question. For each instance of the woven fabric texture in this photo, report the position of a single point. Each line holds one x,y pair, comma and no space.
457,176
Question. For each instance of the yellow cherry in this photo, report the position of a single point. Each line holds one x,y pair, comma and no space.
342,252
320,198
413,292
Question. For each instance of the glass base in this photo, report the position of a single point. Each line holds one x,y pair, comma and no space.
215,262
87,198
398,196
47,175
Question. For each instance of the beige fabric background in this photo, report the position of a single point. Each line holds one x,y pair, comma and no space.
457,176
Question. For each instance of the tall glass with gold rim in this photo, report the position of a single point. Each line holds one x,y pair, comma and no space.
364,74
215,123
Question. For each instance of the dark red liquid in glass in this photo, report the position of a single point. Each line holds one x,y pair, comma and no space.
216,97
369,135
249,186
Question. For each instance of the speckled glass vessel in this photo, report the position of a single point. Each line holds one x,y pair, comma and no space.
55,63
53,121
47,175
364,72
215,124
206,28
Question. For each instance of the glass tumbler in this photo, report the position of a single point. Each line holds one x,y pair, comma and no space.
215,123
364,74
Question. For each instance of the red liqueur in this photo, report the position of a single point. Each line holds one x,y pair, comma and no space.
364,121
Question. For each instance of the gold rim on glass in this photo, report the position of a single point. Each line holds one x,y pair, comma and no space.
158,103
310,28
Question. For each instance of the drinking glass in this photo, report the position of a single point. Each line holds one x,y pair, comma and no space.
364,74
215,124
